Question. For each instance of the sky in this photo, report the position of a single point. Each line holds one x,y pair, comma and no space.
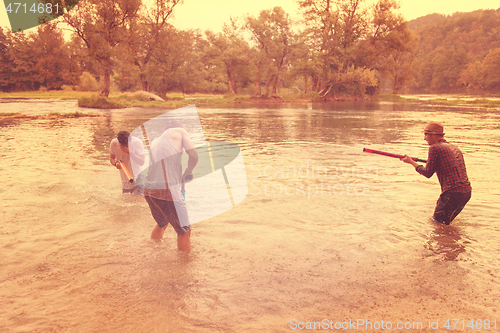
212,14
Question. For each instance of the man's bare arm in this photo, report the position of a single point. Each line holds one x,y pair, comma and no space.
112,160
188,145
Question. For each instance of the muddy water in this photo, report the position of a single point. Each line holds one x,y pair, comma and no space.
327,233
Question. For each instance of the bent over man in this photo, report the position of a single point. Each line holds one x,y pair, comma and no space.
447,162
163,185
121,150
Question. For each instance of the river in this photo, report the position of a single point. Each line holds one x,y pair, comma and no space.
328,237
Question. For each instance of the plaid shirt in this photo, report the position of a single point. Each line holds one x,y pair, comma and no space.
447,162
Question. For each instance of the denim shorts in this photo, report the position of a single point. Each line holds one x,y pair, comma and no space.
166,212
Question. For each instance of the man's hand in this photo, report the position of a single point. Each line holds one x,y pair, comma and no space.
406,159
409,160
112,160
187,177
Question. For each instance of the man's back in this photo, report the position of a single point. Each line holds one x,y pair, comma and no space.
448,162
166,163
164,181
175,138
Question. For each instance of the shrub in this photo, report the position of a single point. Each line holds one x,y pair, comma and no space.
97,102
88,82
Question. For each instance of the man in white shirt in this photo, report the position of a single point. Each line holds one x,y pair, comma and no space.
163,186
121,150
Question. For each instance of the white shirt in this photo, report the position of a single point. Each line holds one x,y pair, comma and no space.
135,146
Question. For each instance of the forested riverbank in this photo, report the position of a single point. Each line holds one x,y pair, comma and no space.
176,100
347,50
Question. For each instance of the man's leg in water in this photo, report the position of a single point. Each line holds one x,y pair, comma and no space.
157,233
184,242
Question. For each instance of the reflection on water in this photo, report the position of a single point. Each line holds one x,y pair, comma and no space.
326,231
446,241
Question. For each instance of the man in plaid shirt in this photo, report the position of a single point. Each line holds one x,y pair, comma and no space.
447,162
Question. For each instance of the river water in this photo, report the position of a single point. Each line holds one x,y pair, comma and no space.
327,234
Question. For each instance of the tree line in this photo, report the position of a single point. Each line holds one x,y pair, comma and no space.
340,48
459,53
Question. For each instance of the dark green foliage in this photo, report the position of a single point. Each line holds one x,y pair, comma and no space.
348,48
459,53
97,102
31,62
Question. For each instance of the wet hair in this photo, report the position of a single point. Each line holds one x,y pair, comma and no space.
123,138
173,124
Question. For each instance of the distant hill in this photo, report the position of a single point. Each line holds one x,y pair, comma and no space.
425,21
430,19
458,52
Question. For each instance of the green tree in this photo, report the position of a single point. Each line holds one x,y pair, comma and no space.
445,68
393,45
305,63
351,82
20,75
145,32
173,52
199,73
451,51
230,51
179,64
491,69
52,62
472,76
101,24
353,23
273,35
35,60
6,60
338,32
324,34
